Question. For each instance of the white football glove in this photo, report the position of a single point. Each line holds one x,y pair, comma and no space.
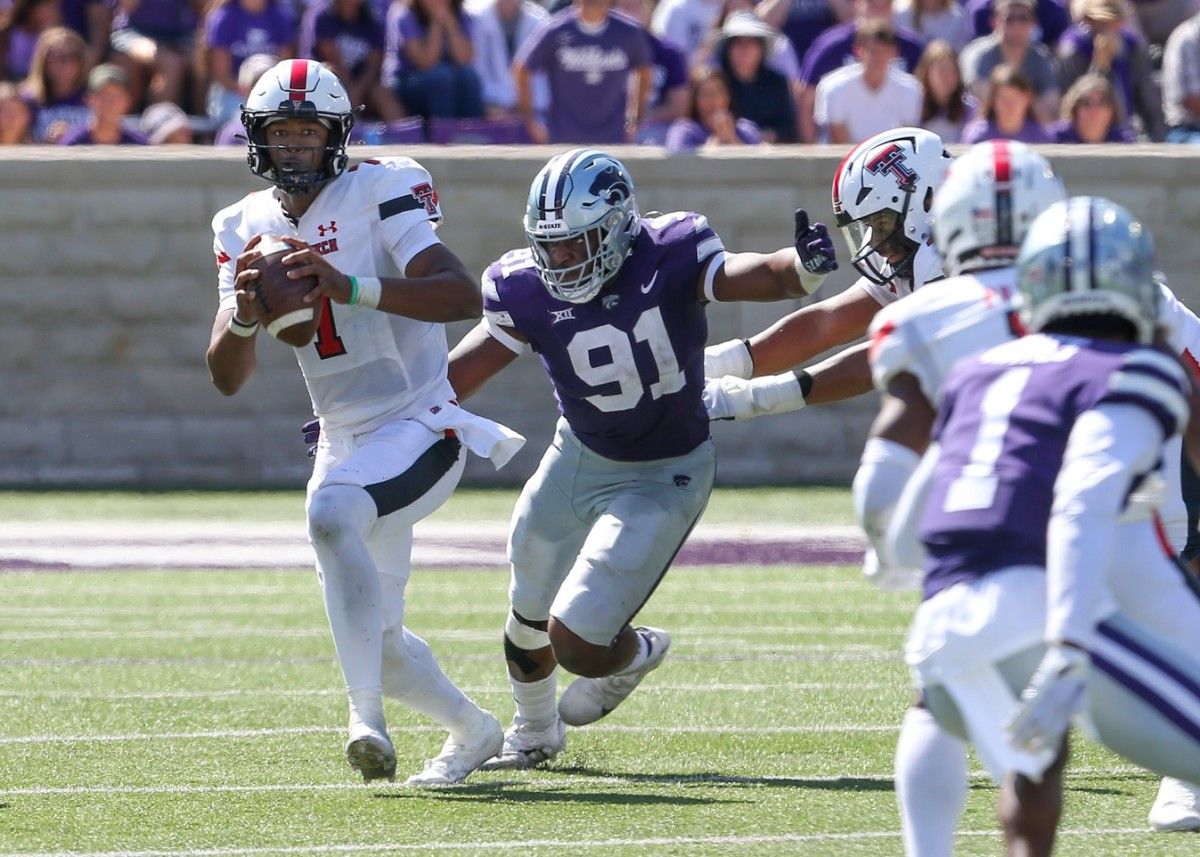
1052,698
731,357
730,398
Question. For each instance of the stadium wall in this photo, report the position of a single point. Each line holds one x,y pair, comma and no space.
109,294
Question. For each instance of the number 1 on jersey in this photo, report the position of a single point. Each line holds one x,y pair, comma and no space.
329,344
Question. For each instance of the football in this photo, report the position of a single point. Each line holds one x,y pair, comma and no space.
280,299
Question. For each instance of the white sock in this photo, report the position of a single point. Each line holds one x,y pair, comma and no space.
338,519
536,700
931,784
639,656
411,674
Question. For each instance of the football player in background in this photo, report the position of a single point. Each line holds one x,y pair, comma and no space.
391,442
613,303
1037,509
882,199
982,213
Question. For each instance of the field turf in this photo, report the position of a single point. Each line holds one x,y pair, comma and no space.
191,713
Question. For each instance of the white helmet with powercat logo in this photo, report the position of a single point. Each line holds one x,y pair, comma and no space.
1088,256
584,197
983,210
298,89
882,199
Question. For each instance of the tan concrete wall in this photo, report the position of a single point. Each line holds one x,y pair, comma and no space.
107,292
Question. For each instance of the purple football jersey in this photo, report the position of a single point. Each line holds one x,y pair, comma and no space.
1003,427
628,365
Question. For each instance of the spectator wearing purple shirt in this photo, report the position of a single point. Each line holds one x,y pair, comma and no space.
1091,114
1051,17
57,83
154,42
668,78
1006,111
428,59
1102,43
803,21
710,121
20,26
835,48
597,64
108,100
93,20
233,31
348,37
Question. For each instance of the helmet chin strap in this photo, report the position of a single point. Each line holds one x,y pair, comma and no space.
299,182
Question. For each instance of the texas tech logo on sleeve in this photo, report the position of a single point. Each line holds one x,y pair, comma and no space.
427,195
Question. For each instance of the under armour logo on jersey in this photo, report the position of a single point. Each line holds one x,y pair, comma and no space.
892,160
562,314
610,301
330,229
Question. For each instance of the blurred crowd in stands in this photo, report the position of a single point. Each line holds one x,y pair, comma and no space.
684,74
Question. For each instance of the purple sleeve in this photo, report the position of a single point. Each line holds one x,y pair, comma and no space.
284,27
685,134
219,29
748,132
537,50
410,27
911,48
640,51
1053,17
824,56
674,61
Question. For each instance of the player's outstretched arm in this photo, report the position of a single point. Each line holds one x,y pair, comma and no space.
479,355
811,330
791,272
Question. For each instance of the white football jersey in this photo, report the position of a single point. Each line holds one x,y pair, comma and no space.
930,331
365,366
1184,340
926,267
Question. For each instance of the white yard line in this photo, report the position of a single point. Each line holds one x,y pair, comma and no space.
287,694
53,738
535,781
570,844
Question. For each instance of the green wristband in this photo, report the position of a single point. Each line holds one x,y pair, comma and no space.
353,291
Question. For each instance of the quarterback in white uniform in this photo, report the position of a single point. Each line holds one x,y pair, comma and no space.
991,195
392,439
882,197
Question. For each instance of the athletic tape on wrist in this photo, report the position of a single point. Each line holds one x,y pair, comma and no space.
366,291
241,328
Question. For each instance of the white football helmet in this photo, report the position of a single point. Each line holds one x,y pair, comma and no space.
581,196
882,196
1088,256
990,196
303,89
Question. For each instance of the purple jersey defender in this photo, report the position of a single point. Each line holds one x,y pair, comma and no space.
628,365
1003,428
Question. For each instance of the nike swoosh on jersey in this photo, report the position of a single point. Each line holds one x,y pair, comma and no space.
646,288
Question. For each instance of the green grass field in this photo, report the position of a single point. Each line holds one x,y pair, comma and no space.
199,713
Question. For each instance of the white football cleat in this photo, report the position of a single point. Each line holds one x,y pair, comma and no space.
586,700
459,758
369,751
525,747
1177,806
